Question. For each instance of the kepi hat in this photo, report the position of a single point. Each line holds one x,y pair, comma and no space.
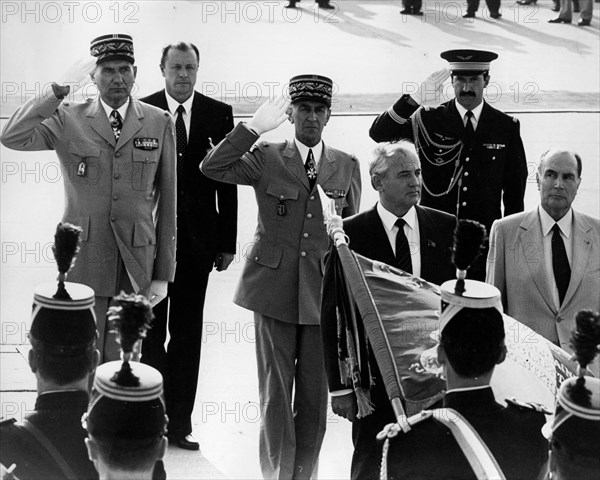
311,87
115,46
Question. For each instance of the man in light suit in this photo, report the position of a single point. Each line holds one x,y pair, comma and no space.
546,262
396,175
206,235
281,280
117,158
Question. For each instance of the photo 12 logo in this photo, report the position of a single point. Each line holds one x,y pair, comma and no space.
69,12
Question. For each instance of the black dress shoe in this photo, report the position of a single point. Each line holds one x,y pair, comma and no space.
583,23
326,6
495,15
418,13
469,15
406,11
559,20
187,443
527,2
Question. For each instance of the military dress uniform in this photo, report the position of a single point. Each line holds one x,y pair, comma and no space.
466,176
281,281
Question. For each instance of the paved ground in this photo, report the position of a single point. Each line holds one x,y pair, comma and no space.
249,50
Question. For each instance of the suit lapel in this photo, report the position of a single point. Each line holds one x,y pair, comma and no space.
293,161
531,238
328,165
377,239
427,246
582,244
99,123
132,123
199,125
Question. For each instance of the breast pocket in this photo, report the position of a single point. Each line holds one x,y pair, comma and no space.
283,197
84,165
143,169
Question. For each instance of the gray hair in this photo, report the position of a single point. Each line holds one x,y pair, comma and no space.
386,151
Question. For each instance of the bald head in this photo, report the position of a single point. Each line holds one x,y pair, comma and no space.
559,176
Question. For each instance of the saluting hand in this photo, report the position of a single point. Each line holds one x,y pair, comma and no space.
77,75
430,91
270,115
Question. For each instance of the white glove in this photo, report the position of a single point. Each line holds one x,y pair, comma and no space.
430,91
269,115
78,74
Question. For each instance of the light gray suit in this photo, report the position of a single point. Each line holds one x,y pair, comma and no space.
516,266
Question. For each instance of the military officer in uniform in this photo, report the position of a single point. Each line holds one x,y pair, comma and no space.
471,154
49,442
117,159
126,420
281,280
471,345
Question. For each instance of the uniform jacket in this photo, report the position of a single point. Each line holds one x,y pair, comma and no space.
282,276
494,164
58,416
516,266
513,435
208,208
126,201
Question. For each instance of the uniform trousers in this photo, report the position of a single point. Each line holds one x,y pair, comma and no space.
290,362
107,344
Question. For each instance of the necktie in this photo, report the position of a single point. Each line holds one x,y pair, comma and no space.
311,168
181,134
469,130
116,123
560,263
403,260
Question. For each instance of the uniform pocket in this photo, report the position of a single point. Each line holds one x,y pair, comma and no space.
144,234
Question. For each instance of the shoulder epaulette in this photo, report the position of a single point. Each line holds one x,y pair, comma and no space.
7,422
525,406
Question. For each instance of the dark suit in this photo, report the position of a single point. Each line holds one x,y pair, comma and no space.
206,224
58,416
368,238
512,434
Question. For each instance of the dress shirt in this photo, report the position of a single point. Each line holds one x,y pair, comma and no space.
411,230
187,116
303,149
476,114
565,224
122,109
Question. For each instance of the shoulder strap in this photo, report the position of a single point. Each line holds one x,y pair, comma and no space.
50,448
477,452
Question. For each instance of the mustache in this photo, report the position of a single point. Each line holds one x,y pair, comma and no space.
467,94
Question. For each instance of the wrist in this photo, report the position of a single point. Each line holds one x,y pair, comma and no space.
254,129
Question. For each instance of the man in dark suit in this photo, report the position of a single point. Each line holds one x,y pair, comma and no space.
421,247
206,228
472,154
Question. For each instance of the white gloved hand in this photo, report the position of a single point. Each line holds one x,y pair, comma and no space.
78,74
430,91
269,115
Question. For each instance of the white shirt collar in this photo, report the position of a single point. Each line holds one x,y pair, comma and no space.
389,219
463,111
174,104
303,149
122,109
548,222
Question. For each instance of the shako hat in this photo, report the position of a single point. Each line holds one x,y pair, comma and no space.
127,402
62,319
114,46
469,240
474,61
311,87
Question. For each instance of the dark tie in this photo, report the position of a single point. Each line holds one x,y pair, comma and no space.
116,123
469,130
403,260
560,263
311,168
181,134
